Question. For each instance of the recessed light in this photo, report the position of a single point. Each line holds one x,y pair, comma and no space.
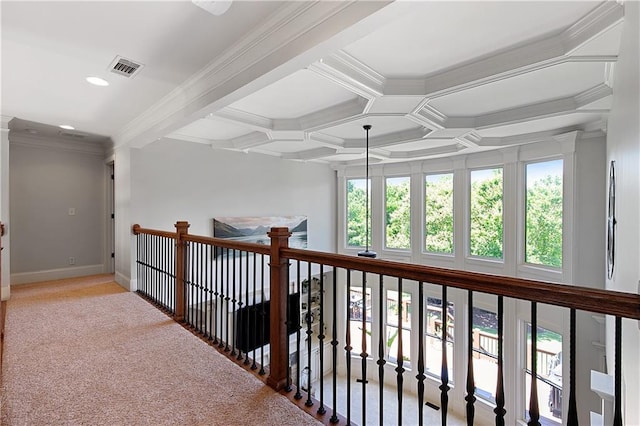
67,127
97,81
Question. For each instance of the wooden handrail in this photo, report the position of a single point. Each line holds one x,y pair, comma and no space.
570,296
136,229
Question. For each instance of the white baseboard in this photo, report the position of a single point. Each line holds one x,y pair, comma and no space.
125,282
5,293
56,274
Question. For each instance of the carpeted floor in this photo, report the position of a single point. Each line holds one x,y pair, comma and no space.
86,352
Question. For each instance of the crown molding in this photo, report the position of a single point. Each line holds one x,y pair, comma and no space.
344,70
283,43
4,121
56,144
250,141
243,118
329,116
389,139
310,154
593,23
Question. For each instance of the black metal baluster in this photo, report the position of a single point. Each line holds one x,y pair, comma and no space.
234,329
308,318
189,280
288,323
471,383
399,355
444,370
227,299
534,411
200,288
246,299
211,281
156,273
421,377
572,414
165,273
254,310
321,336
617,411
363,346
238,310
499,410
348,347
334,345
217,324
381,360
298,394
263,315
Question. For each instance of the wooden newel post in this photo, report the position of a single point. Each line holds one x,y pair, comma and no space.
278,306
182,229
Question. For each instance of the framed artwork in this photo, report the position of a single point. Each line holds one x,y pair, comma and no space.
254,229
611,221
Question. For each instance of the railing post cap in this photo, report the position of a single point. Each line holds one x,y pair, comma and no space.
279,232
135,229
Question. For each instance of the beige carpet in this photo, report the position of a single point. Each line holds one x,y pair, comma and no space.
86,352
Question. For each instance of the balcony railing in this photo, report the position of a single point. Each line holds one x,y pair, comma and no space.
286,313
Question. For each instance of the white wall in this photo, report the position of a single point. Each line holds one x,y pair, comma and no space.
47,179
174,180
623,146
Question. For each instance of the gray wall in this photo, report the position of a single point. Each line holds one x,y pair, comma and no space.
45,182
175,180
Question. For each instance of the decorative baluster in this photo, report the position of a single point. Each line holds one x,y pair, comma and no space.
247,309
471,384
234,325
363,345
421,377
334,345
534,411
200,286
211,280
263,317
254,366
321,408
572,414
239,308
499,410
348,347
381,361
227,299
298,394
289,321
444,370
308,317
399,354
617,411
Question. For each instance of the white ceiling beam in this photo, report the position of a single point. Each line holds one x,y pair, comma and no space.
334,114
604,16
348,72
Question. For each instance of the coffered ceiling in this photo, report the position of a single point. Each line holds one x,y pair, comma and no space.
298,80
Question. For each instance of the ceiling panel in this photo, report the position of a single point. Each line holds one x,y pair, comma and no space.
297,95
212,128
568,79
437,35
381,125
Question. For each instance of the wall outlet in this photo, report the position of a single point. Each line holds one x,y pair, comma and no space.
72,211
72,261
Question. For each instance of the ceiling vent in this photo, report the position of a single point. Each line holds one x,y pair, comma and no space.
125,67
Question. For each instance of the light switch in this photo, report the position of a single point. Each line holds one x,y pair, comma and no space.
72,211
